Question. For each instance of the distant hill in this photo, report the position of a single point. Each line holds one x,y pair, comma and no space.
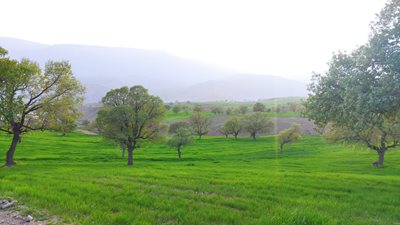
240,88
166,75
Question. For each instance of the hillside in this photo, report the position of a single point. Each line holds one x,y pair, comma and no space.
84,180
166,75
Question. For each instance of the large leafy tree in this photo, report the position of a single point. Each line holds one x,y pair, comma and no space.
359,96
29,99
130,116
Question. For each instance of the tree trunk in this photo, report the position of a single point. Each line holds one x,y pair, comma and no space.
253,135
281,149
381,157
131,148
236,136
123,151
179,152
10,153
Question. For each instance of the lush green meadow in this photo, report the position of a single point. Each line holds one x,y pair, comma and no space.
83,180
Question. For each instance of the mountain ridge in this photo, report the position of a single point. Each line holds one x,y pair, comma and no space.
172,78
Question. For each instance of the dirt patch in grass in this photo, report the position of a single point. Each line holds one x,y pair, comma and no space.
14,215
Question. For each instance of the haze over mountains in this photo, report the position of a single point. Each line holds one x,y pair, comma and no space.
172,78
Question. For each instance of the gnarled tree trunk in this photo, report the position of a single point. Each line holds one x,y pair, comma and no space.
281,149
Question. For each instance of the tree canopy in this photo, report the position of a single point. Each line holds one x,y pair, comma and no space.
130,116
359,95
257,123
259,107
199,123
233,126
288,135
32,100
182,137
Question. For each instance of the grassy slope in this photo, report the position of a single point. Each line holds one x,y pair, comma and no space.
83,180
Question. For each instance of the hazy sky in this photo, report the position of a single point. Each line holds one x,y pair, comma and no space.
288,38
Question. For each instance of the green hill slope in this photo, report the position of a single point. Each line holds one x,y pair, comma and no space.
83,180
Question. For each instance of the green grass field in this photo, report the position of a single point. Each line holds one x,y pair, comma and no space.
171,116
83,180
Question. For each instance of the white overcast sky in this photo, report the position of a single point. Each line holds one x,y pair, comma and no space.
288,38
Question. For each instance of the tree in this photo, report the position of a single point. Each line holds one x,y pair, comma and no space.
132,121
224,131
243,109
64,116
176,109
182,137
233,126
259,107
167,107
198,108
295,107
173,128
30,98
229,111
256,123
217,110
359,96
288,136
200,124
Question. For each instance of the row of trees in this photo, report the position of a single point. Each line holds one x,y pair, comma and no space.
183,131
244,109
253,124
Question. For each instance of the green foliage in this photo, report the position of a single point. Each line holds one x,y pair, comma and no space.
216,182
217,110
289,135
200,124
229,111
176,109
259,107
233,126
198,108
359,95
64,116
257,123
32,100
243,109
117,97
177,125
182,137
130,116
3,52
